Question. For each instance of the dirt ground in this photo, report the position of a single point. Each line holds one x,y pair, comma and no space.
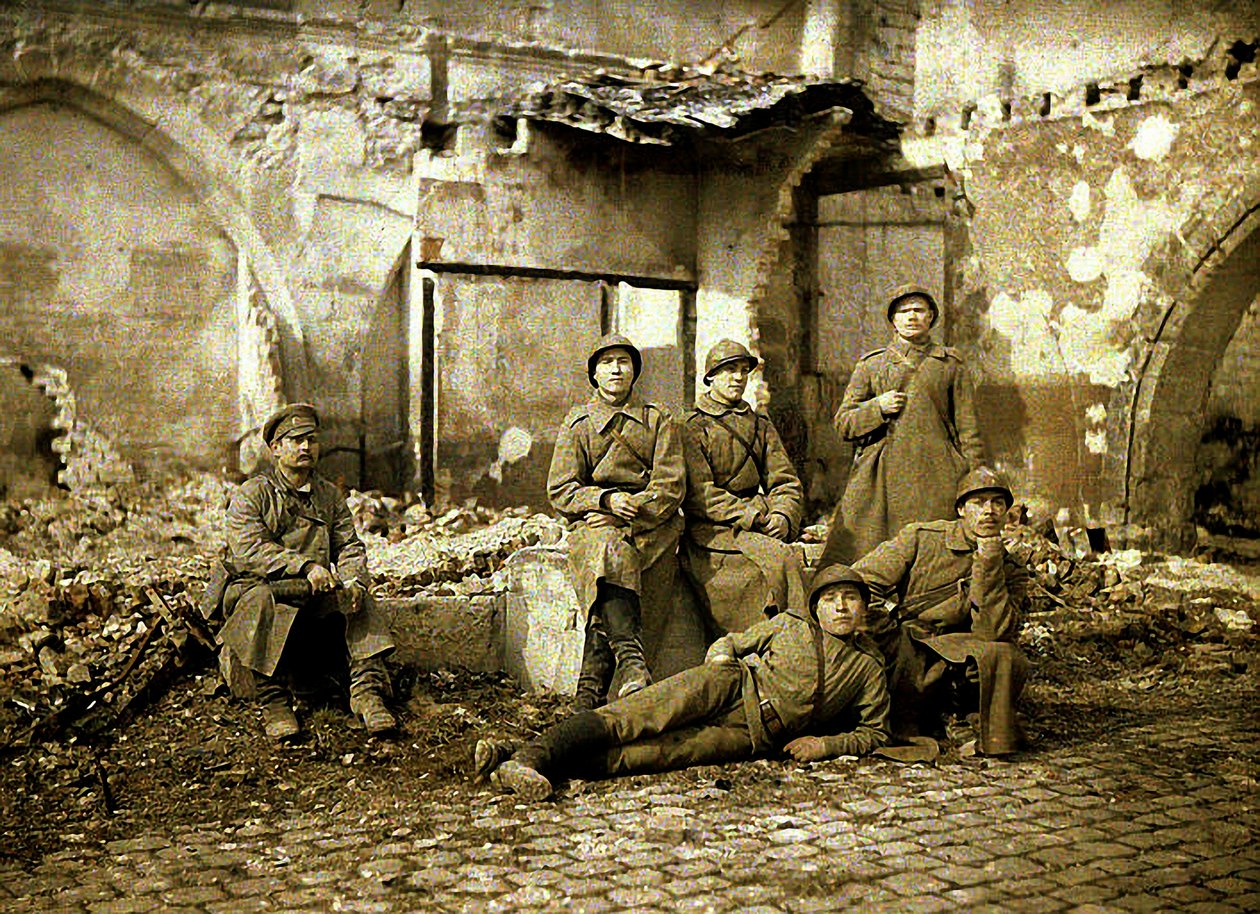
187,752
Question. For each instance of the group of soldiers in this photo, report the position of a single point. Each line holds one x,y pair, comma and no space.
911,614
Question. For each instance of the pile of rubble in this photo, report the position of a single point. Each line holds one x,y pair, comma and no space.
1144,607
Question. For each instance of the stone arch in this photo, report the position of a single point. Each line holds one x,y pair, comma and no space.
1217,275
221,203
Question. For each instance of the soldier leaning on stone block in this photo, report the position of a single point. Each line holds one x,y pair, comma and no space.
810,684
294,562
744,501
617,476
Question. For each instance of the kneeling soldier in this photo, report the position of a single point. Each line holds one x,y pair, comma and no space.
812,685
294,559
617,477
744,501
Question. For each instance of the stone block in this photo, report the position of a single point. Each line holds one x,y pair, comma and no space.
544,627
444,632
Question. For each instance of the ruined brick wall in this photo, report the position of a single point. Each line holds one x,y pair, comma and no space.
1082,240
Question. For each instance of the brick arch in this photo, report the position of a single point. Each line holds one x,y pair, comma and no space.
1216,275
221,203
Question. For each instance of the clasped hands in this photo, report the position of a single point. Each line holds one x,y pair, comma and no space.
326,580
622,506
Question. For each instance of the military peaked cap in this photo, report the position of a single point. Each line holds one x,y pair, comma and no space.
294,419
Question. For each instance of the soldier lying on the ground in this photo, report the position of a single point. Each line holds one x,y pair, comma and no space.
289,525
956,599
743,503
812,685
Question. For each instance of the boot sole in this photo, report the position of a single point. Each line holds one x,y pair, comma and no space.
522,781
487,756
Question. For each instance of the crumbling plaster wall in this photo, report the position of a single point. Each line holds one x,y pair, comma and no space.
293,143
510,350
1082,238
968,50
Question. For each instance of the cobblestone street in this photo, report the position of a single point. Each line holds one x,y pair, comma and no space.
1149,806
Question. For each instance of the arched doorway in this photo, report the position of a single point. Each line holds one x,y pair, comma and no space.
111,267
1163,473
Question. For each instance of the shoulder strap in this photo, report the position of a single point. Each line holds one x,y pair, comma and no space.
750,450
820,684
621,439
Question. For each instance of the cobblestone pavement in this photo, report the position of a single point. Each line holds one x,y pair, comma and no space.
1154,812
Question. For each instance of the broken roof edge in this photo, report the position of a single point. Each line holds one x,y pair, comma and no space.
720,104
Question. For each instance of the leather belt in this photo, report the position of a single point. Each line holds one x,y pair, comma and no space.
770,719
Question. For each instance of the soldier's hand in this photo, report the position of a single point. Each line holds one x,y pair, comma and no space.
891,403
806,749
322,580
623,505
354,597
719,652
596,519
777,526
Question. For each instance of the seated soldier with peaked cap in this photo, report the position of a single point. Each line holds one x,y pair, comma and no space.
617,477
810,684
294,560
956,601
744,501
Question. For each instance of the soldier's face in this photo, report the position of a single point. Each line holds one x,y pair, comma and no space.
913,318
841,609
296,452
984,514
614,373
729,382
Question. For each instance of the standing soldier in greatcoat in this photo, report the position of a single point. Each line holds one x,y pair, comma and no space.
744,501
293,561
617,476
908,410
954,600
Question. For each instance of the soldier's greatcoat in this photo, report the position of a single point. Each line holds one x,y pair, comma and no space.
633,448
273,532
949,604
907,466
790,678
738,476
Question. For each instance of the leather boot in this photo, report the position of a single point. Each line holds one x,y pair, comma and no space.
556,753
279,721
369,683
620,612
597,668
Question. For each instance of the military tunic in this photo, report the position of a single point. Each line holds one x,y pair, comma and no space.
789,679
905,466
632,448
950,603
273,532
738,476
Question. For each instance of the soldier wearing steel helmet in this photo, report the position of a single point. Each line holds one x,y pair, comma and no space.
744,501
617,476
908,411
294,561
807,682
953,602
